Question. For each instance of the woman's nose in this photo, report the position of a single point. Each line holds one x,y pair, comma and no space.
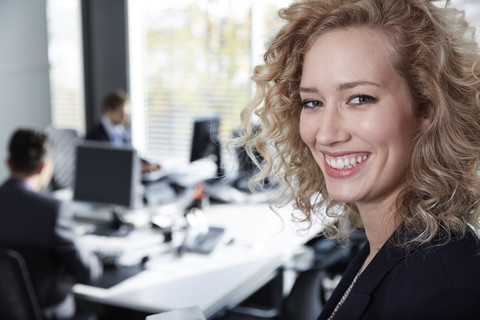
332,127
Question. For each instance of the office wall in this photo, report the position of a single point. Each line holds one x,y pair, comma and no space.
24,81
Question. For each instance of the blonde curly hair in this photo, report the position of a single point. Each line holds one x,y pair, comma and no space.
434,50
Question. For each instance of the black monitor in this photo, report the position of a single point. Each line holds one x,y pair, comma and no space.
206,141
108,175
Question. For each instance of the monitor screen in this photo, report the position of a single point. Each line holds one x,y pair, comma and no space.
106,175
205,140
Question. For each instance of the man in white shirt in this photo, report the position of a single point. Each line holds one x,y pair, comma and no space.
112,123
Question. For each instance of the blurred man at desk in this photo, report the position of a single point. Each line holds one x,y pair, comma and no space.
112,126
40,228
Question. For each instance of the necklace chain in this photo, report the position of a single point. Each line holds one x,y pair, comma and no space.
344,297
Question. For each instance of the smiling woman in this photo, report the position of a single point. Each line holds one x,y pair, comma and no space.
369,111
364,113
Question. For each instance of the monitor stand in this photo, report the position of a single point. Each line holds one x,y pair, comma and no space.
117,227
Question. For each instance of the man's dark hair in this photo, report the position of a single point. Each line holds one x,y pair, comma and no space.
114,99
28,148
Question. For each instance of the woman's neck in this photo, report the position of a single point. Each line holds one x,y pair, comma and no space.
379,224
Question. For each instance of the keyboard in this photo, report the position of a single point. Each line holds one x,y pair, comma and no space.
204,242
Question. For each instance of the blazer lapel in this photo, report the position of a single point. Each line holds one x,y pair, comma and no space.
361,295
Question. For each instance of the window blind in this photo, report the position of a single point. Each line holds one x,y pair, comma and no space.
66,67
191,59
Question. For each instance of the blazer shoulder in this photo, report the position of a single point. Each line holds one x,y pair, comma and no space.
47,205
98,132
461,260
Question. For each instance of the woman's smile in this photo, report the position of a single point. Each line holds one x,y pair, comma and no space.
345,162
343,166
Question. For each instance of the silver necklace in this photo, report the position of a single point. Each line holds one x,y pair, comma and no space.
344,297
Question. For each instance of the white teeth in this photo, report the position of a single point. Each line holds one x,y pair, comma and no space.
340,164
345,163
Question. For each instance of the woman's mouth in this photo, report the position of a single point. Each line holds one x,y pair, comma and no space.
345,165
345,162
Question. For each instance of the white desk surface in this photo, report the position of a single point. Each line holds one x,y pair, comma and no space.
262,242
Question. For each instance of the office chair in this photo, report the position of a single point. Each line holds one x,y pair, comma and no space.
17,297
65,141
309,294
304,302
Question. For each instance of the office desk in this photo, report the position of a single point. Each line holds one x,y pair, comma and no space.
262,242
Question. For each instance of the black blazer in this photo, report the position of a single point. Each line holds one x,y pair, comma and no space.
41,229
99,133
430,282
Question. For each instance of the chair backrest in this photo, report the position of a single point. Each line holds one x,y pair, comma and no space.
305,299
65,141
17,296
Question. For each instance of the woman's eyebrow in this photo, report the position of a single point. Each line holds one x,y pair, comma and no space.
342,86
354,84
308,90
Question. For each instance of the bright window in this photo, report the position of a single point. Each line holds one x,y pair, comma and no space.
189,59
66,67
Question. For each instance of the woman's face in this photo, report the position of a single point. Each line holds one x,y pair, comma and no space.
356,116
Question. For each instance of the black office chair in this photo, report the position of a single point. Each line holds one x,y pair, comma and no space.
17,297
309,294
305,301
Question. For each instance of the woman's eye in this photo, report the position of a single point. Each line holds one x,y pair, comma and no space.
312,104
362,99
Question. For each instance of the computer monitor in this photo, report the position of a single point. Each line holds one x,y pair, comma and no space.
206,141
106,175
